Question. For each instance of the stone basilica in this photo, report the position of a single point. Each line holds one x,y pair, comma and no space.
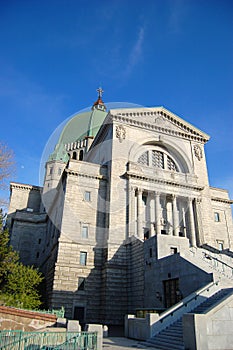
126,218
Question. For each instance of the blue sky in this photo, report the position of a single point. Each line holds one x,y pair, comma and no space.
54,55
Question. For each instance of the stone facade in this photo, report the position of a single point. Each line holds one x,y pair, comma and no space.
114,220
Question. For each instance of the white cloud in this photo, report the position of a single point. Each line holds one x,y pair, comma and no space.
136,53
178,11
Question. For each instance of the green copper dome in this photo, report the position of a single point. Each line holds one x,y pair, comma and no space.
77,128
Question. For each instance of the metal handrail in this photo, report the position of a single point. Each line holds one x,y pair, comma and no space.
10,340
186,301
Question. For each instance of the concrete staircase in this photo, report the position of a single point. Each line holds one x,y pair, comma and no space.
171,338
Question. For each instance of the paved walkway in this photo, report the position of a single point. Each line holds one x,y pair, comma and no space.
120,343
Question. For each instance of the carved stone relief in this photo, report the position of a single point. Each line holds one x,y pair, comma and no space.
198,152
120,132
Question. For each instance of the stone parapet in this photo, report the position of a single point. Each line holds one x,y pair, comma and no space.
18,319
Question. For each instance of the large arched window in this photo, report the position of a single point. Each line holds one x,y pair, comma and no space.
158,159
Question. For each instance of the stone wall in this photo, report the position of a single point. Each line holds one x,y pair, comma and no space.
169,268
17,319
136,268
212,330
27,236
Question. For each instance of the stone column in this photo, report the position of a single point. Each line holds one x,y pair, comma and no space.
139,213
200,233
132,219
152,214
175,218
157,213
184,221
191,223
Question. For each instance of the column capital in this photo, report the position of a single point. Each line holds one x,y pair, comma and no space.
157,193
139,190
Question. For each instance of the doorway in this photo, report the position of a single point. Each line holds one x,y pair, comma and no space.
172,293
79,314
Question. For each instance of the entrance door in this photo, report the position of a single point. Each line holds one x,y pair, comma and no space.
79,314
171,292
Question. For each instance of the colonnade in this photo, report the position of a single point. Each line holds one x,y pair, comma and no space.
154,212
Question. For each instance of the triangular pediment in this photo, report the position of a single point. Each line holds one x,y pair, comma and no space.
159,118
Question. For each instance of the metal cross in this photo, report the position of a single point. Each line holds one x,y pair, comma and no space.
100,92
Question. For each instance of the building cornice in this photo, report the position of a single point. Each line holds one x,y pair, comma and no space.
131,175
89,176
160,129
147,118
222,200
25,186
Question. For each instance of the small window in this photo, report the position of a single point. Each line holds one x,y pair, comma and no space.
83,258
39,241
220,245
146,233
74,155
81,155
59,171
50,171
37,255
216,217
87,196
144,199
85,231
81,283
173,250
151,253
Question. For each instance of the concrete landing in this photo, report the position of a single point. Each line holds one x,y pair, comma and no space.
121,343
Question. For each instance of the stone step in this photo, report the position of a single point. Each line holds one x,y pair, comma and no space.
178,335
165,345
167,339
171,338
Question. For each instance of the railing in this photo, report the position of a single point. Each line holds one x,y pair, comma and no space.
58,313
19,340
185,305
214,261
161,174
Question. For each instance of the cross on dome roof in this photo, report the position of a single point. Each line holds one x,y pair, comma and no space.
100,92
99,104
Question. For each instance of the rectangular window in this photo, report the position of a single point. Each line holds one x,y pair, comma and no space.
83,258
85,231
220,245
173,250
81,283
50,171
87,196
216,217
59,171
151,253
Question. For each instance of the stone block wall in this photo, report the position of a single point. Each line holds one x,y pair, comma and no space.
115,283
24,196
17,319
212,330
135,274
